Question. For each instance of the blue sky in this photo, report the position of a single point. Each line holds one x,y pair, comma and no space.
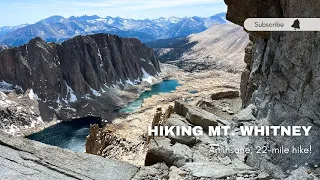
15,12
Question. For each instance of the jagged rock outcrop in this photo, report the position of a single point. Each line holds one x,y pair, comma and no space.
99,142
282,79
105,143
25,159
18,113
79,72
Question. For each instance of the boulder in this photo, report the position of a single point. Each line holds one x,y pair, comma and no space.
197,116
301,173
161,150
227,94
156,171
176,120
246,115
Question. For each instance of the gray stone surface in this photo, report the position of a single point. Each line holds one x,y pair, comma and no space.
176,120
282,80
196,115
161,150
301,173
264,176
156,171
216,170
246,115
25,159
176,173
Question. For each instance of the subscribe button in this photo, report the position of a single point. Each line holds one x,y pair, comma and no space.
282,24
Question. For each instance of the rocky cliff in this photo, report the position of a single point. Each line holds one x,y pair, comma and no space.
80,76
282,79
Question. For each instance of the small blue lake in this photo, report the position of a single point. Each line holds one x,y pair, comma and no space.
165,86
67,134
72,134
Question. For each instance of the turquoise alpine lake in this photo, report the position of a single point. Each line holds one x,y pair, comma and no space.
72,134
165,86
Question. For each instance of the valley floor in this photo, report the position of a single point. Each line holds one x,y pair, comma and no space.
195,87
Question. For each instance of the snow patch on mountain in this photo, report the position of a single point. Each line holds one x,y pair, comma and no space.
32,95
71,94
95,93
57,28
147,77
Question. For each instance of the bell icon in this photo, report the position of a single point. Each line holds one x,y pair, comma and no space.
296,24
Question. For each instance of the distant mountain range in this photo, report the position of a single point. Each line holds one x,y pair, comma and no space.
58,28
7,29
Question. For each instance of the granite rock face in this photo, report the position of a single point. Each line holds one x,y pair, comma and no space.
18,113
82,63
25,159
282,78
78,72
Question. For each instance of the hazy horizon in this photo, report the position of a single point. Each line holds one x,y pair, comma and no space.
32,11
